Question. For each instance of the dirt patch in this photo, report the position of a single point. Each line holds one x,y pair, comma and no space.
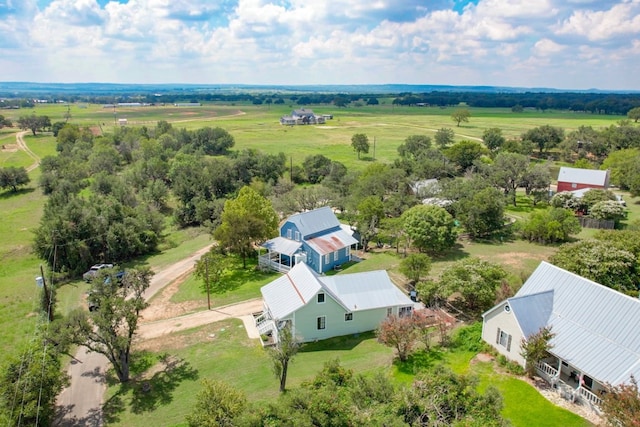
9,148
482,357
163,308
517,259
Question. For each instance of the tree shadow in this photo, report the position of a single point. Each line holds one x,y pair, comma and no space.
345,342
158,390
236,276
419,361
62,418
147,394
9,194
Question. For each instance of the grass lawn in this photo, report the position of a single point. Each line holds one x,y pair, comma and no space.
216,351
222,351
537,411
240,284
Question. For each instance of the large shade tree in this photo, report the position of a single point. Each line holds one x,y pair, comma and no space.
475,282
110,328
604,262
247,220
430,228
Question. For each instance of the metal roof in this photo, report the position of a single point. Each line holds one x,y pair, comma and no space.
282,245
365,291
355,292
597,328
291,291
331,242
315,221
583,176
532,311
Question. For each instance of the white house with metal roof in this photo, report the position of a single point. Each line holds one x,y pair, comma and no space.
319,307
597,338
315,237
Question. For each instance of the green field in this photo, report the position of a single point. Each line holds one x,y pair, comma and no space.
258,126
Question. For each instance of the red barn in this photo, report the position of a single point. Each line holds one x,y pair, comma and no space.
570,179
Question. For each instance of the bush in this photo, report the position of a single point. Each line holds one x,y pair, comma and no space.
469,338
509,366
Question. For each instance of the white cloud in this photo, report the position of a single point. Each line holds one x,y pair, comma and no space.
523,42
621,20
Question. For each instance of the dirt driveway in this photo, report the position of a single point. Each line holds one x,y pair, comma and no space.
80,404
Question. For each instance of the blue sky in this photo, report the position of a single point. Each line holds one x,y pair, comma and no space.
566,44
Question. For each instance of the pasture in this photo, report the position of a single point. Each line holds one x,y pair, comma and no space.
258,127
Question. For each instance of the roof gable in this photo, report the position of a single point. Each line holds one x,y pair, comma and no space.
583,176
291,291
596,327
532,311
315,221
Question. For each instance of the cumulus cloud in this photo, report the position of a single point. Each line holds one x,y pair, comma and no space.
519,42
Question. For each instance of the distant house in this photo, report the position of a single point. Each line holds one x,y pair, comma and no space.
315,237
597,340
302,117
320,307
571,179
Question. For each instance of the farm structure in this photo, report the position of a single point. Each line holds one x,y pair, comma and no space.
303,117
571,179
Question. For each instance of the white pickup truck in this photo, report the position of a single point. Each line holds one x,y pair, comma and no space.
89,275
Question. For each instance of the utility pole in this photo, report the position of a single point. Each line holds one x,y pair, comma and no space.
47,295
206,278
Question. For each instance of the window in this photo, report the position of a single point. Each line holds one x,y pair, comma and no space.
503,339
288,233
574,185
587,382
389,311
335,256
297,236
404,311
321,322
320,298
348,317
326,259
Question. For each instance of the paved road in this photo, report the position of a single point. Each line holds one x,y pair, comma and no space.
80,403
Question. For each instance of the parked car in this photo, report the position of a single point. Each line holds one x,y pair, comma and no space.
118,278
93,271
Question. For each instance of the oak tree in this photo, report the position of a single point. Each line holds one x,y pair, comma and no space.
247,220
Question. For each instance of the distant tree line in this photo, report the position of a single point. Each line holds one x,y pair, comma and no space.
596,103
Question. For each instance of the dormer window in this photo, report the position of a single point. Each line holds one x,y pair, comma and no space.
297,236
321,298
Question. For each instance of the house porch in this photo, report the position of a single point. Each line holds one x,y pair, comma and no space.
274,261
570,383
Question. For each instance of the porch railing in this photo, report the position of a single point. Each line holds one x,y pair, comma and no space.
264,261
547,370
589,397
